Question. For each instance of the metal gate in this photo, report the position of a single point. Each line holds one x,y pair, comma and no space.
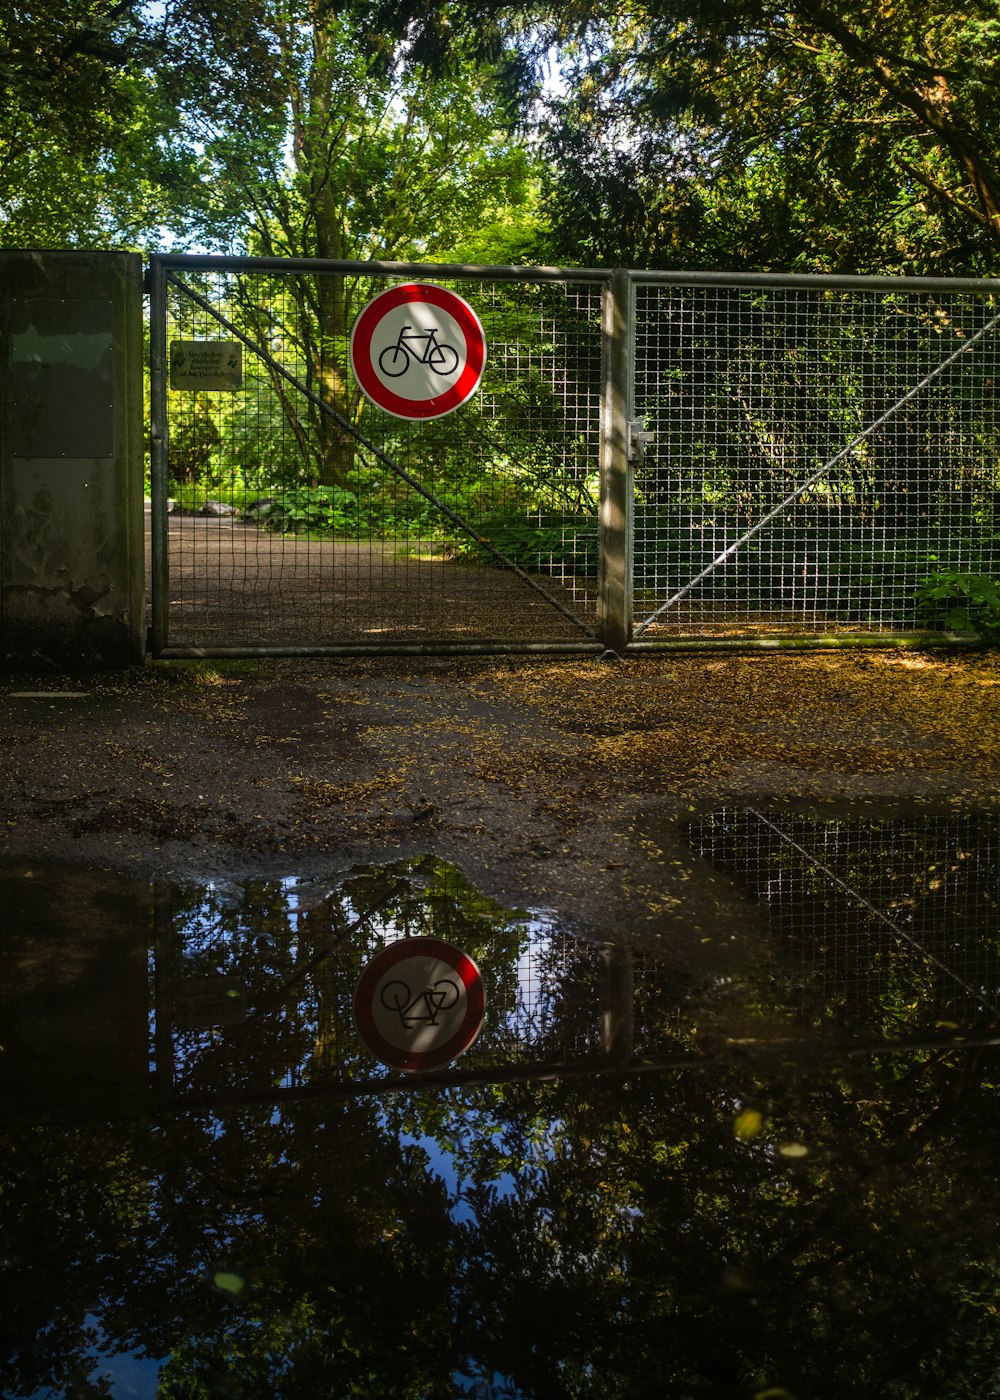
818,447
290,515
650,460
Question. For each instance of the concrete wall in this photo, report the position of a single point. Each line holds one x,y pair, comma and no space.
71,459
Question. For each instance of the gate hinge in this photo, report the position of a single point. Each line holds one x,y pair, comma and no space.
637,439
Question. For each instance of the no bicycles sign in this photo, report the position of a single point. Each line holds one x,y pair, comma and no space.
419,1003
418,351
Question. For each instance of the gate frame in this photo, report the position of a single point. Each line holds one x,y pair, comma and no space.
619,443
612,589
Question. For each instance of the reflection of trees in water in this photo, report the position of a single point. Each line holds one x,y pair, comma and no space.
619,1241
885,929
660,1245
263,1254
822,1226
299,950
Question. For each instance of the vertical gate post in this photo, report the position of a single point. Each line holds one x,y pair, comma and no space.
163,1082
615,514
618,1006
158,452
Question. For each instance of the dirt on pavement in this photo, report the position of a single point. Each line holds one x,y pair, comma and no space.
553,783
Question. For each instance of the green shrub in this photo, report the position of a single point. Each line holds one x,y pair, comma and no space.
546,542
313,509
962,602
191,497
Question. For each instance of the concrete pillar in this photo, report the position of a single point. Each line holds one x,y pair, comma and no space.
71,459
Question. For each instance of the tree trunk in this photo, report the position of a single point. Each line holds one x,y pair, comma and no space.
336,445
324,328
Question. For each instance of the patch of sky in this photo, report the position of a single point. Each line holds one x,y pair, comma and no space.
442,1162
493,1387
125,1375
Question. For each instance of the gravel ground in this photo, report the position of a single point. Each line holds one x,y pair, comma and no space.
233,584
553,783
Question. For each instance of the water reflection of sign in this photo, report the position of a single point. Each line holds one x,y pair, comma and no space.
210,366
419,1004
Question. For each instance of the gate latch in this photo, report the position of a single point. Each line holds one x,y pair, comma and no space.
637,440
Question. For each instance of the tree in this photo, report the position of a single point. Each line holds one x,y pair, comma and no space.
855,140
859,137
96,100
370,159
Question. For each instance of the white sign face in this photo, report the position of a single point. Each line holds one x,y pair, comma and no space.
418,351
208,365
419,1004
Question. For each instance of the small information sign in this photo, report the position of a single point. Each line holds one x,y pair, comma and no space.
211,366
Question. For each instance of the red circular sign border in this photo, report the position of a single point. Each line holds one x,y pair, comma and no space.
475,344
382,963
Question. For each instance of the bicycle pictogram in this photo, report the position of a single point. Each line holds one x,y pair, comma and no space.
419,1003
413,346
420,1008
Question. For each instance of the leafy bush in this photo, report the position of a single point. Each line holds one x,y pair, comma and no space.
550,542
962,602
313,509
195,441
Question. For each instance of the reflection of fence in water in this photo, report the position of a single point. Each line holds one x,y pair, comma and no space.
275,966
888,928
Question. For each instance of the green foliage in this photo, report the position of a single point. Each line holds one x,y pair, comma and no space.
412,163
800,136
550,542
740,134
962,602
105,109
194,441
316,510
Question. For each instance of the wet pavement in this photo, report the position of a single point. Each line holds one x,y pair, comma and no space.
748,1151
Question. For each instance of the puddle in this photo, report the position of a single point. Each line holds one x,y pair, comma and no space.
255,986
886,927
642,1176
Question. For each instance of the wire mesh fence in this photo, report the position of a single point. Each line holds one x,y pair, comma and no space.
888,929
816,453
811,451
305,517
